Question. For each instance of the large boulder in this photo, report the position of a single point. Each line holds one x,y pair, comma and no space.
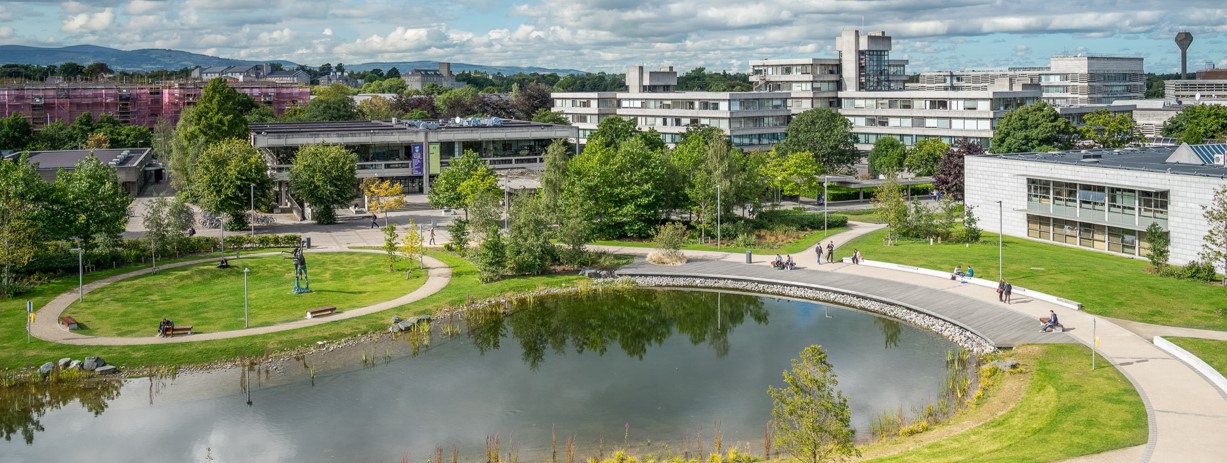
63,363
46,368
106,369
92,363
74,365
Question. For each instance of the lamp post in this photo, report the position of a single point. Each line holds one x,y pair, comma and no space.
246,271
718,216
80,274
253,210
1000,232
824,207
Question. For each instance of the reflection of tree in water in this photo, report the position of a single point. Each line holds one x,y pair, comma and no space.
632,319
26,403
891,329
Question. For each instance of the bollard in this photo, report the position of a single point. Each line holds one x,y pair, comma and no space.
748,261
308,242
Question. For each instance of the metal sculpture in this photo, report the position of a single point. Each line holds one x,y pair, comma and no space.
301,283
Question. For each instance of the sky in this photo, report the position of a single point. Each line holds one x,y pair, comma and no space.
611,35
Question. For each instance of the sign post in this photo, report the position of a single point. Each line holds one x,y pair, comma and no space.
29,319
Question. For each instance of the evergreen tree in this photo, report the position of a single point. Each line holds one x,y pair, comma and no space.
219,114
491,257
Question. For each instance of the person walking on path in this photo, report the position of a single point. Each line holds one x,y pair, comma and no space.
830,252
856,256
432,236
1001,290
818,251
1009,288
374,221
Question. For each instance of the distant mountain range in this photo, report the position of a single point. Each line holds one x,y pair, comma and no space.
151,59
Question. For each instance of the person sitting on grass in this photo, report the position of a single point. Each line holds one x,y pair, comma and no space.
224,263
971,273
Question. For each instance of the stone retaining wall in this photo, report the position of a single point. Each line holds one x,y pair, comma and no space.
957,334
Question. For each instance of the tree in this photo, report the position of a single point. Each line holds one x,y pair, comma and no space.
1214,245
553,177
184,151
613,131
392,73
1197,123
811,419
529,246
219,114
465,176
706,160
167,221
332,103
545,116
224,178
574,232
527,100
382,196
21,189
824,133
925,157
887,156
324,176
1109,130
1035,127
126,136
412,245
97,141
949,179
889,203
97,70
794,173
70,70
88,201
389,245
459,102
378,108
16,133
971,225
56,136
491,257
1159,241
623,190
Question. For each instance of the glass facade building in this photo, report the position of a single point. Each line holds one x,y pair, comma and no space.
1103,217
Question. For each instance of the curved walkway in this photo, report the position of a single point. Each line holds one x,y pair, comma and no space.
1187,415
46,325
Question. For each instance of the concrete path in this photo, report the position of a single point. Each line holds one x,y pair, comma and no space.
1187,415
46,326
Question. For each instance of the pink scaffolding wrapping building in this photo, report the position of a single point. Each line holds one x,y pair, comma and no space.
135,104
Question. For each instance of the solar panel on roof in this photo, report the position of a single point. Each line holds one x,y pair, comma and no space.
1206,153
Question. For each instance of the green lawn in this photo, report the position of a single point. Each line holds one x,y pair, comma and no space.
793,247
1211,351
211,299
14,352
1066,411
863,215
1106,285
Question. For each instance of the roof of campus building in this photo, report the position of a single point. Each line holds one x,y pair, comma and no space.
1151,159
373,126
69,158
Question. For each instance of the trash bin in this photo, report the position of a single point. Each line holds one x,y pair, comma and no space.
749,257
308,242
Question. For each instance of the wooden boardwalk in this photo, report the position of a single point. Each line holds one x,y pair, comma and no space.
1002,327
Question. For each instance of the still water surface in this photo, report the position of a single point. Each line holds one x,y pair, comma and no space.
656,369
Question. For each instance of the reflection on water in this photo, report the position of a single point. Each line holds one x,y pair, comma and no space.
633,320
642,368
23,405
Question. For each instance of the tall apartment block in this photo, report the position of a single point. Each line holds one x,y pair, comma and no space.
131,104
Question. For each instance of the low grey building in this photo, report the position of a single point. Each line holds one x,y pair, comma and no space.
134,166
1100,199
417,79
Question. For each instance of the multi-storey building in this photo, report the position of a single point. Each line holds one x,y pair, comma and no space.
1101,199
1210,85
911,116
131,104
417,79
1066,81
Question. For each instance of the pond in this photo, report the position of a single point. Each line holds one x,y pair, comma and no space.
654,370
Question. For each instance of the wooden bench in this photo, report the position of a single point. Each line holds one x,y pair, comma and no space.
69,323
1058,328
171,330
321,311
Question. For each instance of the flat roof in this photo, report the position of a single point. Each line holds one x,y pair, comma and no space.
68,159
1147,159
288,128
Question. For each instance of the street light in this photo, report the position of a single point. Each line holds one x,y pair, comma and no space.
718,216
824,207
80,275
1000,232
222,229
246,271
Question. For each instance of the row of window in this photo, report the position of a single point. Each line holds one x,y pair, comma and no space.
823,86
912,139
700,105
758,139
926,122
957,105
1088,235
795,69
1122,206
582,103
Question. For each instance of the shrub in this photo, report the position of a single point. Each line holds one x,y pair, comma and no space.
669,238
799,219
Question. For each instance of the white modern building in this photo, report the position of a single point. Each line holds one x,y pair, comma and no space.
1100,199
1066,81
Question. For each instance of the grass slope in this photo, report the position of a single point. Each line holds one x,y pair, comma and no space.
1071,410
211,299
14,352
1105,284
1213,352
793,247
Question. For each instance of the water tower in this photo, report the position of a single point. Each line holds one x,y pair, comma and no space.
1183,40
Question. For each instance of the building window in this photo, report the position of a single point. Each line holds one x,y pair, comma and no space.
1152,207
1092,201
1039,195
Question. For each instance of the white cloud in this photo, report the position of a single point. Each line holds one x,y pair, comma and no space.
137,7
6,32
89,22
1021,50
328,31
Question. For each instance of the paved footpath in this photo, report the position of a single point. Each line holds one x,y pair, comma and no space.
1187,415
46,326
